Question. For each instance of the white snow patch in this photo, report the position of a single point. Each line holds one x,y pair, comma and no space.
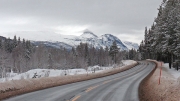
172,71
128,62
54,72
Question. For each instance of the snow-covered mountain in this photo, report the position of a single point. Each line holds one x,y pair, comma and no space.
131,45
52,39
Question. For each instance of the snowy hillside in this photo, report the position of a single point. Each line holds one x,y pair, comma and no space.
131,45
52,44
51,39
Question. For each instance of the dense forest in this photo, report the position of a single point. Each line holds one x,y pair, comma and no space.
21,55
162,40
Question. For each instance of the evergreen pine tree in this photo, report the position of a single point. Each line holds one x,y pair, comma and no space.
113,51
15,42
19,41
50,61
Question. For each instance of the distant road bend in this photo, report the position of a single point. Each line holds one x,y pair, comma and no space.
119,87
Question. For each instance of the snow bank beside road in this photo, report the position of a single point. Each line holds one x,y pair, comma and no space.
128,62
42,73
54,72
51,73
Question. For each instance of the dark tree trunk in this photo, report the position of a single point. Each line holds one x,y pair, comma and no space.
169,59
170,64
177,66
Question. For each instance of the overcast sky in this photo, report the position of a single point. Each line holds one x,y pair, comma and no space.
124,18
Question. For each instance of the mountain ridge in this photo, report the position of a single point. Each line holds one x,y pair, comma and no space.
52,39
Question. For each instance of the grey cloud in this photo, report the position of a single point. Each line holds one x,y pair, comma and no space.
103,16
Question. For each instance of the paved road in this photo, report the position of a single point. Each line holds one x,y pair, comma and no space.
119,87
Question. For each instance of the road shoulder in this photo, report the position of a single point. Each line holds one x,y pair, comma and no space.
167,90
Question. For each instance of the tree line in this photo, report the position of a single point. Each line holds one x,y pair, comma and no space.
162,40
21,55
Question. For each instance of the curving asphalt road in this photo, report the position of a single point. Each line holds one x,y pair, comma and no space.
119,87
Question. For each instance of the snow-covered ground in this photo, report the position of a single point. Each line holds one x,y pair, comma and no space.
54,72
127,62
172,71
